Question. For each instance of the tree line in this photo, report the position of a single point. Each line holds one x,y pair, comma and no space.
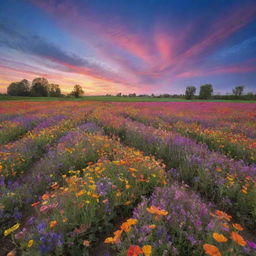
206,92
40,87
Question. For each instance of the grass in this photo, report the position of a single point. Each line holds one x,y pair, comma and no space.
114,98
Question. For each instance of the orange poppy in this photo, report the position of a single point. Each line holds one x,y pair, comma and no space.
211,250
223,215
154,210
219,237
134,250
238,227
238,239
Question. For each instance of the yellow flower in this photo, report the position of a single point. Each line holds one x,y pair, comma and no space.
147,250
10,230
219,237
30,243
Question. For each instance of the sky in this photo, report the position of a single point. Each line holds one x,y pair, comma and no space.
129,46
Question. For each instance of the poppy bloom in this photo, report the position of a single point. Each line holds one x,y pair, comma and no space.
86,243
147,250
154,210
211,250
35,204
53,223
30,243
134,250
238,239
238,227
219,237
223,215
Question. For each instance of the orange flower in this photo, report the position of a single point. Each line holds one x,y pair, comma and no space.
152,226
211,250
134,250
223,215
11,253
35,204
219,237
238,227
225,225
126,227
238,239
112,240
53,223
86,243
157,211
45,196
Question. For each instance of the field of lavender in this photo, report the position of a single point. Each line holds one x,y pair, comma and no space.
102,178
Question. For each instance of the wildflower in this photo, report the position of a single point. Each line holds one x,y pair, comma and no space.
219,237
155,210
126,226
80,193
134,250
45,196
86,243
53,223
35,204
223,215
147,250
251,244
152,226
238,239
11,229
238,227
44,208
112,240
211,250
11,253
30,243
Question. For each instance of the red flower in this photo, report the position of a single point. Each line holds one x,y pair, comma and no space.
134,250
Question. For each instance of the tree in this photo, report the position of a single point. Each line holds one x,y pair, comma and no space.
77,91
40,87
190,92
238,91
119,94
205,91
54,90
19,88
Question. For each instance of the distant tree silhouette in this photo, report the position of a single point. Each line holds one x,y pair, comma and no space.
19,88
190,92
54,90
77,91
238,91
40,87
205,91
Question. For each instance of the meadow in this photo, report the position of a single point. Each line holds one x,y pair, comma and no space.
127,178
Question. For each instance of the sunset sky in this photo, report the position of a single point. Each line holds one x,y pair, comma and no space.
141,46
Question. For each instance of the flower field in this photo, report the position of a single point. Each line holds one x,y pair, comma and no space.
135,179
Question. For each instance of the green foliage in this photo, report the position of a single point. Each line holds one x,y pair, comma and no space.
205,91
77,91
190,92
238,91
40,87
18,88
54,90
